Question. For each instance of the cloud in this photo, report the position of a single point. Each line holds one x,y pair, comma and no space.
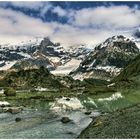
69,35
29,5
88,25
41,7
23,4
45,9
17,24
108,17
59,11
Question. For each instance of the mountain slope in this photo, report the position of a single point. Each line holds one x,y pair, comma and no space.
108,58
79,51
130,76
30,78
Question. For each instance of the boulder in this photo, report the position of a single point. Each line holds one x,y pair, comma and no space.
10,91
65,120
67,99
17,119
14,110
88,113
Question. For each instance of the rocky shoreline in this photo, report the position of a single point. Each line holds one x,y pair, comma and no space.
115,125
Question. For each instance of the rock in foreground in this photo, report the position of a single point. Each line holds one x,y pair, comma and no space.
65,120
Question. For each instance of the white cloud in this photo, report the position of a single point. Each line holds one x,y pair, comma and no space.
59,11
41,6
29,5
108,17
17,24
23,4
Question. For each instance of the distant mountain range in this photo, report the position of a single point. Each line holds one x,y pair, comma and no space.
103,61
36,53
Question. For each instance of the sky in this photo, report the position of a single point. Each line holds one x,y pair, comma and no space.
67,22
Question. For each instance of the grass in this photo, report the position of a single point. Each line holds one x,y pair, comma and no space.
48,96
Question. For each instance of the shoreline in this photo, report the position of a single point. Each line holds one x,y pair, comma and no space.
111,125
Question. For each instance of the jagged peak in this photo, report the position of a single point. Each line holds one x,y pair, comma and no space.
115,41
46,42
118,38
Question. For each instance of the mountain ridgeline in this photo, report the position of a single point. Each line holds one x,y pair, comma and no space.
46,53
108,58
36,53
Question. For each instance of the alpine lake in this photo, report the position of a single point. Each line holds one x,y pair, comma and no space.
43,112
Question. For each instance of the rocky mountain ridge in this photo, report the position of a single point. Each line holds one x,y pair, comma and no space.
33,54
107,59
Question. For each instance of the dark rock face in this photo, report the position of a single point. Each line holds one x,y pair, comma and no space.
33,63
115,51
9,55
79,52
46,42
51,49
68,99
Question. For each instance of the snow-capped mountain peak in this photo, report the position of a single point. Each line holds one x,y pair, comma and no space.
108,58
39,51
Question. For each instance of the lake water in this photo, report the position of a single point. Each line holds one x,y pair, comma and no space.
38,121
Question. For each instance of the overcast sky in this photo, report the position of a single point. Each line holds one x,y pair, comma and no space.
67,22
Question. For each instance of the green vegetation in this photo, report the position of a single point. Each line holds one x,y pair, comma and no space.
130,76
132,70
10,91
97,86
31,78
22,65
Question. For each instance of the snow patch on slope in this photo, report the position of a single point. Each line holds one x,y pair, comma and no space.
114,97
66,68
108,68
8,65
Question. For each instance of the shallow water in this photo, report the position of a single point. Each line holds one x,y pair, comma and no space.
38,127
111,102
40,122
